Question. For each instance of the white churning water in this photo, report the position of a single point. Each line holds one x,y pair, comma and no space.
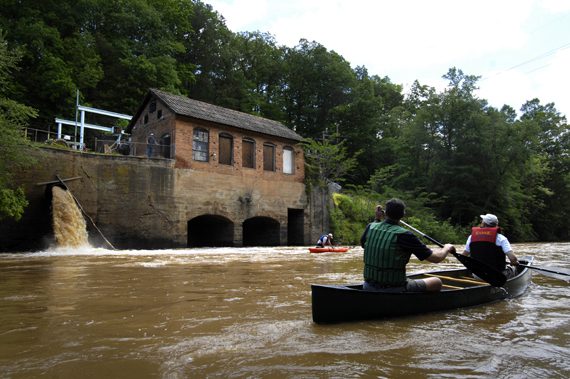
69,226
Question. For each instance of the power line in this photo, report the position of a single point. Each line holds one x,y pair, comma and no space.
565,46
538,68
541,56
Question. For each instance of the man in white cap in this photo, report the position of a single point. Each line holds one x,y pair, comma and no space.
486,244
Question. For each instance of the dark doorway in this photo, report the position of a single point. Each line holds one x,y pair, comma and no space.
165,142
210,231
295,227
261,231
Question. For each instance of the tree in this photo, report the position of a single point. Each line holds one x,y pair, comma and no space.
208,53
368,122
141,44
13,116
549,141
316,81
111,51
327,161
259,63
462,156
57,56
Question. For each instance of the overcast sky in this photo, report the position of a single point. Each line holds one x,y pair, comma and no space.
520,48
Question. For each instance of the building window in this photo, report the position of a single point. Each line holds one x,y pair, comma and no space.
268,157
200,145
152,106
146,119
288,160
248,153
159,114
226,149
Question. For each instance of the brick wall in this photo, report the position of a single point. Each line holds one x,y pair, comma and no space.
184,136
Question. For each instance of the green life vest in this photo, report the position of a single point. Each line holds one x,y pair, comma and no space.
384,261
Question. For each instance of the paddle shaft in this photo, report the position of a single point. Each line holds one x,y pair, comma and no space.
545,269
422,234
426,236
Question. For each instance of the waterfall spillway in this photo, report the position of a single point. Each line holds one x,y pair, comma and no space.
69,227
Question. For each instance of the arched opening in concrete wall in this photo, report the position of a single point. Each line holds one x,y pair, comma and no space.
261,231
210,231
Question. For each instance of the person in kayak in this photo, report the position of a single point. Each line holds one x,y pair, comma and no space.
325,240
387,250
486,244
378,216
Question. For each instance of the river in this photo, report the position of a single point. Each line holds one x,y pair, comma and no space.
246,313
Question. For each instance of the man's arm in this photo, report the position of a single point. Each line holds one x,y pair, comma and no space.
409,242
512,258
466,251
440,254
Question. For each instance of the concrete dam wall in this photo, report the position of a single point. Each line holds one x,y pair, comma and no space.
148,203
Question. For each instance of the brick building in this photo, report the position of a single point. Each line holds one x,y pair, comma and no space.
238,178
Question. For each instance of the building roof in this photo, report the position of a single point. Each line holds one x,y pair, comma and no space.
184,106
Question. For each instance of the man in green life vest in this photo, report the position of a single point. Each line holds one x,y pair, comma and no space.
388,248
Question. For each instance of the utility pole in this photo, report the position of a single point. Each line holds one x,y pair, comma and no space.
76,111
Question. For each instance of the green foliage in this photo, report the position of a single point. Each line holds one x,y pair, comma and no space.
368,123
326,161
350,216
354,209
13,116
547,172
12,203
317,81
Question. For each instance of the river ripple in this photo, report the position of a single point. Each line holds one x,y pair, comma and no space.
246,313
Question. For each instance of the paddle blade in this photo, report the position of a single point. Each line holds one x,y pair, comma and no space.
553,272
485,272
556,276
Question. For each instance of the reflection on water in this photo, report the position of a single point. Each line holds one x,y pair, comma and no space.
246,313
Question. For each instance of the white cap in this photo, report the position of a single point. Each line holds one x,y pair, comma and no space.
490,219
330,235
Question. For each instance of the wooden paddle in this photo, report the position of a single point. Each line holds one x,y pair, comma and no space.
482,270
553,272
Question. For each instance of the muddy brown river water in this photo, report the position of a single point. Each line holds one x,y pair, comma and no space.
246,313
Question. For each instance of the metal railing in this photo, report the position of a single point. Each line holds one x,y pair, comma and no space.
37,135
100,145
134,148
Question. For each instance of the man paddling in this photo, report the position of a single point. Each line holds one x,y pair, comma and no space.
486,244
388,248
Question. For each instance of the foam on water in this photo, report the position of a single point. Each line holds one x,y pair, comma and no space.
69,226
